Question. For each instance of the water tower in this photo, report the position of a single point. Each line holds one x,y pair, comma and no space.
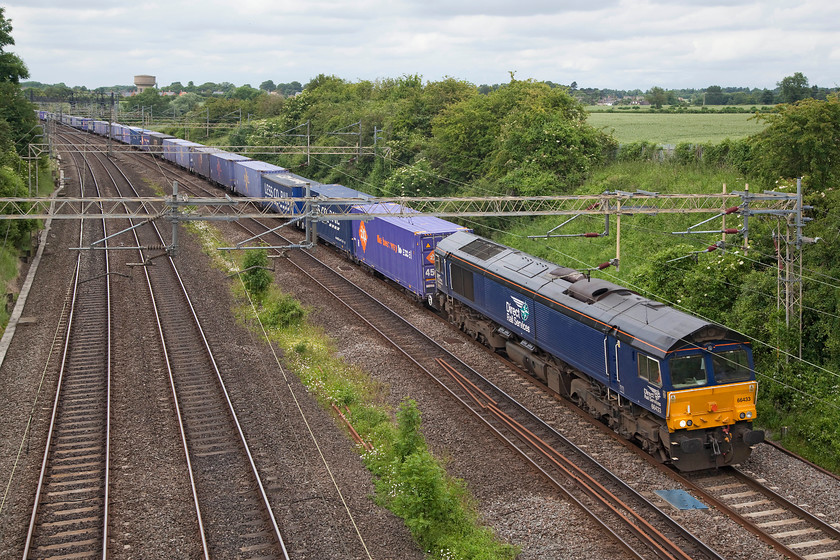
144,81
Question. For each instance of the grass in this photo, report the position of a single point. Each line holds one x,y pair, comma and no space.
675,128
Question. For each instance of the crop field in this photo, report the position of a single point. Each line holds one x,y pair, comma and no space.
674,128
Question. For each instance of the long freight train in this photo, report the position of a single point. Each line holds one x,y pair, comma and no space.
682,388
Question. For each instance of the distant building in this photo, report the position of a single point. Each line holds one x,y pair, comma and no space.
144,81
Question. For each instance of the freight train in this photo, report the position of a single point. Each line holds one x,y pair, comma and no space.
682,388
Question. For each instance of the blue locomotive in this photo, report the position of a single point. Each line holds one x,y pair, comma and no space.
684,389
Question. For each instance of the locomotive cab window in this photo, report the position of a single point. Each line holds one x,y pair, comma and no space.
731,366
649,370
687,371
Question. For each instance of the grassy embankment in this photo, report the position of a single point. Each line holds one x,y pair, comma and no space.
10,264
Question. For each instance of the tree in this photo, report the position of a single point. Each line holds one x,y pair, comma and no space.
245,93
657,97
148,102
290,89
18,127
800,140
794,88
185,102
522,130
766,97
268,86
715,96
12,68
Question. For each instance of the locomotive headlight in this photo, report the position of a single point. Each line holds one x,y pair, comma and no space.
743,416
689,422
749,414
682,423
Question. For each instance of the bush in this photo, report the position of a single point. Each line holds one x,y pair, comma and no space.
282,312
255,276
639,151
435,507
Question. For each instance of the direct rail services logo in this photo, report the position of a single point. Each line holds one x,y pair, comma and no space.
518,313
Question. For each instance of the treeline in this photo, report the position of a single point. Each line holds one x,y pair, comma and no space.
18,127
56,93
788,90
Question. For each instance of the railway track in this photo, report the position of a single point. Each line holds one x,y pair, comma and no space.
786,526
70,512
70,515
232,508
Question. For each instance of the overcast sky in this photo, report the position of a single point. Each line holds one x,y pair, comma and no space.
622,44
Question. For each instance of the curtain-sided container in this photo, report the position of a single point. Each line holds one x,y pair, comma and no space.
200,160
221,167
177,151
135,137
338,233
183,152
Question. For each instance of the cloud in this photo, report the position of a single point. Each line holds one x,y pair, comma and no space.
613,44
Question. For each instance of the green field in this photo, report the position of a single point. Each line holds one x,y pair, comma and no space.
674,128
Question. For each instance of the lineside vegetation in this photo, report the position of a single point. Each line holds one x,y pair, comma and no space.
409,480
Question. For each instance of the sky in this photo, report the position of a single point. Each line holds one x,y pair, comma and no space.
616,44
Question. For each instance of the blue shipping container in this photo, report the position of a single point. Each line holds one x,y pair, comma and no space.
247,176
169,147
135,136
402,249
178,151
183,152
286,185
221,167
200,160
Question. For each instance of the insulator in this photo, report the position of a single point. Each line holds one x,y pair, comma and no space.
732,210
592,234
731,230
711,248
602,266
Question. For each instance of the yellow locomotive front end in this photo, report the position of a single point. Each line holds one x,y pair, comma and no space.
711,407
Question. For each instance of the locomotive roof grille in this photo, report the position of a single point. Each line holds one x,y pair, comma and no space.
482,249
